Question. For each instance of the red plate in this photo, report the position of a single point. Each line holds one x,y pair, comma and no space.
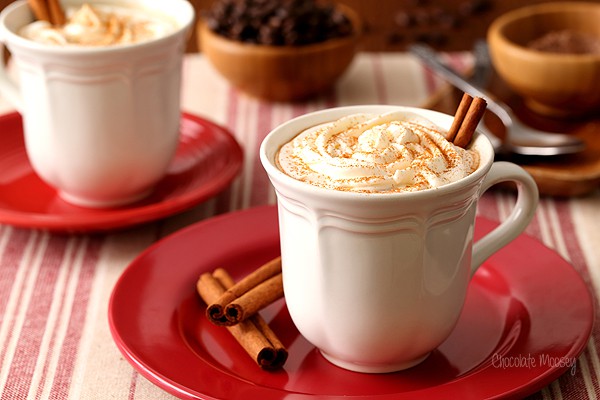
207,160
526,311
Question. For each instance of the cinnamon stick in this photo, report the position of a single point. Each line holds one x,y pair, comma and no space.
254,300
257,300
469,113
459,116
57,15
48,10
40,9
254,334
281,352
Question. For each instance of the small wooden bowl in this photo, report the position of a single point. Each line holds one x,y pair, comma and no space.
551,84
281,73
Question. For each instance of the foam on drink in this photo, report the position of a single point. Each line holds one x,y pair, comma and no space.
394,152
100,25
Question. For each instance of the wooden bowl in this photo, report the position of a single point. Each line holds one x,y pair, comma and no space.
552,84
281,73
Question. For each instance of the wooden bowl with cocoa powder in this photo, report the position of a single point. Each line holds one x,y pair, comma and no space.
549,53
281,72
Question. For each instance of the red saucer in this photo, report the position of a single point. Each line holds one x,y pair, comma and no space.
526,310
207,160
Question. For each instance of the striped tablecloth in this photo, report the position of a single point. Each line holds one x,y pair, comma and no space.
54,289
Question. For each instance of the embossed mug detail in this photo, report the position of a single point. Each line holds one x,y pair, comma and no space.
101,124
376,281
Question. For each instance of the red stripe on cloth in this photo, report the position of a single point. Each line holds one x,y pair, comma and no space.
457,62
299,109
36,319
242,134
69,265
260,189
379,77
567,226
431,81
225,202
133,384
11,257
70,345
487,207
534,228
14,253
232,109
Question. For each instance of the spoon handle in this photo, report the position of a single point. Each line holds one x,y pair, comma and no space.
431,59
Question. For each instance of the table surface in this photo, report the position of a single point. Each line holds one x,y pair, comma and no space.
54,289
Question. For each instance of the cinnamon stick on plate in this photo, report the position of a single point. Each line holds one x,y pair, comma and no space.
467,117
281,352
253,334
256,291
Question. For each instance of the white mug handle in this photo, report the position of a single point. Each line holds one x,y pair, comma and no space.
519,218
8,87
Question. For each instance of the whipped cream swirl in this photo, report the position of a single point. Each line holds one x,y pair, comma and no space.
393,152
99,26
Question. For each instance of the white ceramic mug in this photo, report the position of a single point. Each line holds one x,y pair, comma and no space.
101,124
377,281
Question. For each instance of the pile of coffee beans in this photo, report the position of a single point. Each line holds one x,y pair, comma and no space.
434,22
278,22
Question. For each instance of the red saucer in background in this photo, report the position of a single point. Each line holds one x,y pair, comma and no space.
208,159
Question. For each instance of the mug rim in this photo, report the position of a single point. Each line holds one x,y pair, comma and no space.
9,36
275,139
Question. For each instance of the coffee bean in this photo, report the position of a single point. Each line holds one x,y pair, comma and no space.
448,20
433,38
396,38
473,7
422,17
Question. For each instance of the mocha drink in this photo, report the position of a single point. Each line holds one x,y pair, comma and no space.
386,251
99,94
392,152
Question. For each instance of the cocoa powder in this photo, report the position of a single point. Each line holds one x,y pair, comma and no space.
567,42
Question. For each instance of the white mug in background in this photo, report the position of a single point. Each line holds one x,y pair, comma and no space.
376,281
101,124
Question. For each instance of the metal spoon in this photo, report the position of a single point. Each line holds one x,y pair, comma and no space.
520,139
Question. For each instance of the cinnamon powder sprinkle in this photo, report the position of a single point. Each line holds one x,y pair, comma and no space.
375,154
